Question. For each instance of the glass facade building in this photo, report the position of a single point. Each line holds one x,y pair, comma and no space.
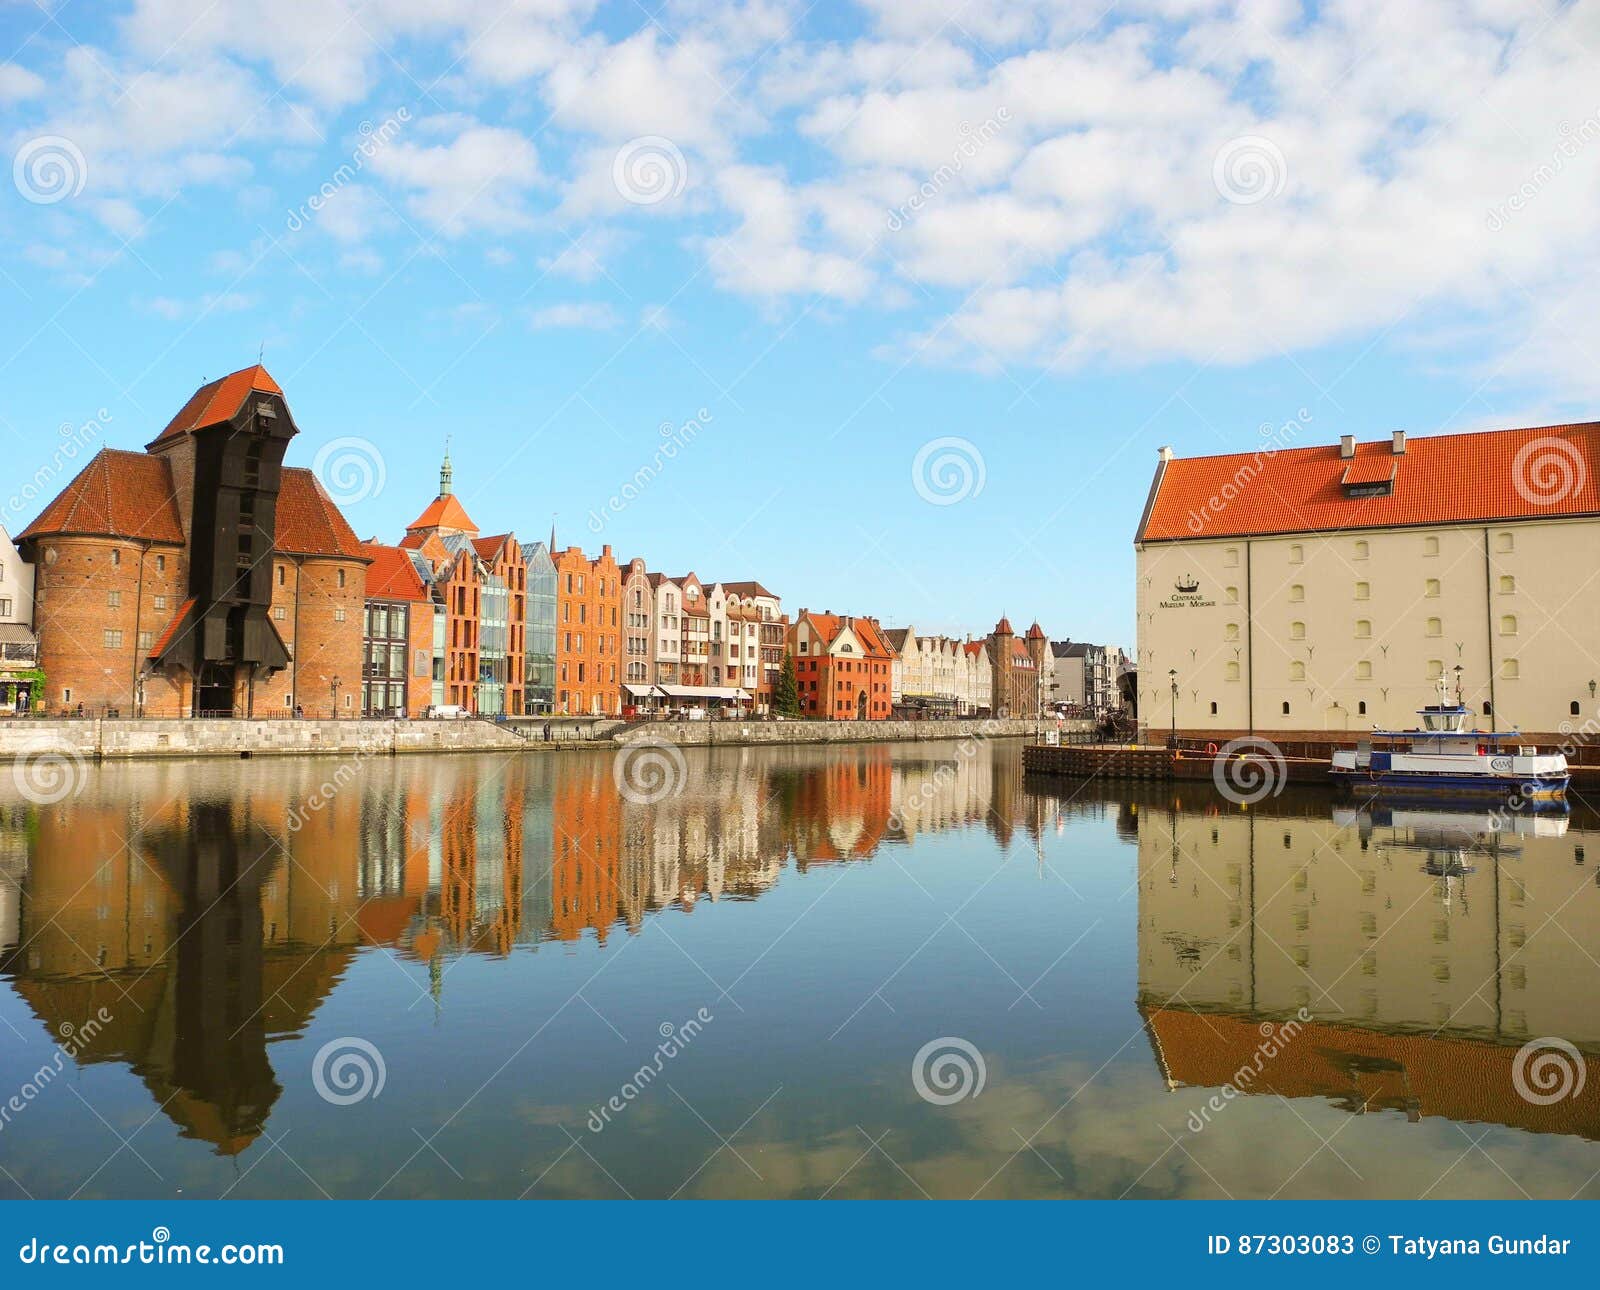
540,675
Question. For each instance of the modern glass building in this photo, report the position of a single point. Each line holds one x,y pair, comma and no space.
539,679
494,635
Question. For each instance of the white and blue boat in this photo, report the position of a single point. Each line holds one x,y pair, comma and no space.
1446,758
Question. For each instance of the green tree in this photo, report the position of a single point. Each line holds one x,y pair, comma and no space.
786,694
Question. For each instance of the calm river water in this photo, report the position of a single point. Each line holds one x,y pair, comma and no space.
884,970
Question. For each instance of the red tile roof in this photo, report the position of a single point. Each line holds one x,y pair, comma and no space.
1537,473
828,626
391,575
219,401
118,494
444,512
488,548
171,629
308,521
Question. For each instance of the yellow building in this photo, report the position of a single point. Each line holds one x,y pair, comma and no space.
1330,588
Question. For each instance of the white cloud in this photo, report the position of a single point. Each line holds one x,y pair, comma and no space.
583,315
18,83
478,180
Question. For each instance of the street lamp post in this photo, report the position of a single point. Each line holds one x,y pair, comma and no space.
1172,678
333,687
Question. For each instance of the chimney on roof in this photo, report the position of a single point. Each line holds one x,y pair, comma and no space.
1398,445
1347,445
1164,452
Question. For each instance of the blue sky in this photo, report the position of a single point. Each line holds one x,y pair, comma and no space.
1057,236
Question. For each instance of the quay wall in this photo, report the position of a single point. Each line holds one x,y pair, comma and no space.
687,734
93,738
112,739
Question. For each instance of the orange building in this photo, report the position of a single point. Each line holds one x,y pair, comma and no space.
588,633
842,665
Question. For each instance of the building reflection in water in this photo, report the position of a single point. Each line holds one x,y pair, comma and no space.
209,913
1428,945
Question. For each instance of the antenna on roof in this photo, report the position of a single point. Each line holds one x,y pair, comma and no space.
261,354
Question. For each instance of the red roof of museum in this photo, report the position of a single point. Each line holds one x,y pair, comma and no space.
219,401
391,575
118,494
1538,473
308,521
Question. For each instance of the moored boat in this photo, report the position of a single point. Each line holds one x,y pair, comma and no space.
1444,757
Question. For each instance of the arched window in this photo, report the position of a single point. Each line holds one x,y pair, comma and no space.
1231,595
1286,707
1363,591
1508,584
1232,672
1297,553
1574,708
1430,588
1430,546
1362,550
1361,708
1364,670
1231,632
1508,625
1434,627
1213,708
1297,592
1297,631
1297,671
1363,628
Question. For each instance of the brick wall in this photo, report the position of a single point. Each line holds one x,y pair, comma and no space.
95,599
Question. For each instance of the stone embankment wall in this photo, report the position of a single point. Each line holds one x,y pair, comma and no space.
92,738
691,733
114,739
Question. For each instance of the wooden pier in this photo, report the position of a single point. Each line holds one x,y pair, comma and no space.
1147,761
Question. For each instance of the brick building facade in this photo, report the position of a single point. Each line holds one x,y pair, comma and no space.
202,575
843,667
588,633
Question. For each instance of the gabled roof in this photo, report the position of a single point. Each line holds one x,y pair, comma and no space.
897,638
443,512
489,548
308,521
829,627
219,401
392,575
1541,473
747,589
118,494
